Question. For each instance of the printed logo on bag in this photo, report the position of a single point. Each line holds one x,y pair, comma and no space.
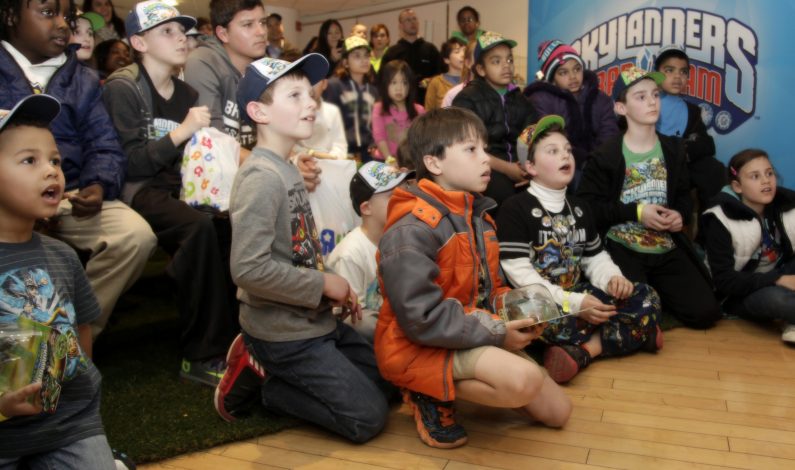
723,53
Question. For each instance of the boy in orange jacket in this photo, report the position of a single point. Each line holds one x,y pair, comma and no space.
437,336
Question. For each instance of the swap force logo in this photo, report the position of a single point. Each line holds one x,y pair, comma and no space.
723,57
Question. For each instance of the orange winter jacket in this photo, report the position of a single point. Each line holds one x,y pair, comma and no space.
438,268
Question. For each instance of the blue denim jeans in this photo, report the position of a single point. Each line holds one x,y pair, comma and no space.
91,453
332,381
773,302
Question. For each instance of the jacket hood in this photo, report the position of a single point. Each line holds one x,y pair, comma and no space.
215,45
130,72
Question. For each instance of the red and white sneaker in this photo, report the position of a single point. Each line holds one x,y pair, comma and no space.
240,386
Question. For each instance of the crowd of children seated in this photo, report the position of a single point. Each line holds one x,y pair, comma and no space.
464,187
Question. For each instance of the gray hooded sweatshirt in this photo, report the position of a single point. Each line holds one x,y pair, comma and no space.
210,72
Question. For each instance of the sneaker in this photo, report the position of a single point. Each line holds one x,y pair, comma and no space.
654,342
207,372
565,361
788,335
435,423
241,385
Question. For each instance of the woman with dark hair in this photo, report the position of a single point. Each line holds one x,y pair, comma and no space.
114,26
379,42
111,55
329,43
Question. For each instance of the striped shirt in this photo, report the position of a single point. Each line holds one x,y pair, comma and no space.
42,279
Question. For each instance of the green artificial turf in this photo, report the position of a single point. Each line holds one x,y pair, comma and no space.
148,412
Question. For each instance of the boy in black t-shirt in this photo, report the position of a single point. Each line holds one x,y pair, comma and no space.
154,114
42,282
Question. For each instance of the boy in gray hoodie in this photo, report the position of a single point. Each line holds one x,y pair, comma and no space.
314,366
215,67
155,114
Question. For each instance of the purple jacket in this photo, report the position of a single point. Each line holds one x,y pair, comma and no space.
590,119
83,131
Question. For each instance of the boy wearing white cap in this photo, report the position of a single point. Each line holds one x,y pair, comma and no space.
155,114
314,366
354,257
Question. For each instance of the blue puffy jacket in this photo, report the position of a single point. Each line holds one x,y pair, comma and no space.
84,132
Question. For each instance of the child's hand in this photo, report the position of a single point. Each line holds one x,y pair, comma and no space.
515,173
594,311
653,217
674,219
519,333
197,118
88,201
341,294
620,287
15,403
787,281
307,165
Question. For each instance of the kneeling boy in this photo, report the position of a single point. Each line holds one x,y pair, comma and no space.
316,367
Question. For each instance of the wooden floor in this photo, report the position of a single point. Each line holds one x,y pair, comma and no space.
724,398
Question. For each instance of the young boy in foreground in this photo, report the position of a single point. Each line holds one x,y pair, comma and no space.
42,281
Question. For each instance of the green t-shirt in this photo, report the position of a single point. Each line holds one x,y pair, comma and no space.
645,182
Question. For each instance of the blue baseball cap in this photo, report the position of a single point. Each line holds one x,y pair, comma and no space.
40,107
146,15
261,73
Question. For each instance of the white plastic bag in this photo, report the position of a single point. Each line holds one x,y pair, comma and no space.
209,165
331,203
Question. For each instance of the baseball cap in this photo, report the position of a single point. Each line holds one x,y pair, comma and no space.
96,20
374,178
193,32
261,73
146,15
40,107
355,42
489,40
631,76
531,132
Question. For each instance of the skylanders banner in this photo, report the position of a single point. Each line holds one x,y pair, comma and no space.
742,64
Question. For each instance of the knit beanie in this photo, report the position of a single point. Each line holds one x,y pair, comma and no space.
552,54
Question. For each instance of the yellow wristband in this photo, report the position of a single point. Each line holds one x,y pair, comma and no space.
566,305
640,211
3,417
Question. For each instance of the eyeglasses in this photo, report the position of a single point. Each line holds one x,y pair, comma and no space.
468,19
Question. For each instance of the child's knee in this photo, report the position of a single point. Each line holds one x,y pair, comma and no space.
372,419
523,385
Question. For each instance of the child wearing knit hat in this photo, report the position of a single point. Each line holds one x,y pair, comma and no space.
564,87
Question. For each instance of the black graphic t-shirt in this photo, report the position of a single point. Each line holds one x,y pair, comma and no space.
167,115
555,243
